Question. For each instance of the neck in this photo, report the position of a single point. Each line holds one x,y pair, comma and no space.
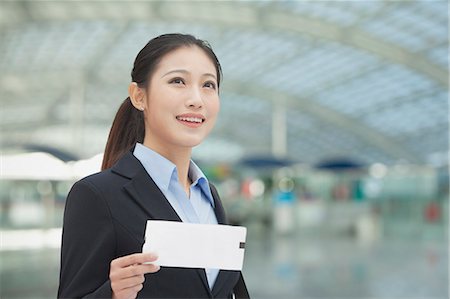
180,156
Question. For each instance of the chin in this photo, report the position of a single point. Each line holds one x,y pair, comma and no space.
189,142
192,143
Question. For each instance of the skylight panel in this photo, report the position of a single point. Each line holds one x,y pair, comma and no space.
439,56
267,51
403,118
429,141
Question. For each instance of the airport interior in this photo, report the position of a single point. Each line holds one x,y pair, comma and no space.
331,147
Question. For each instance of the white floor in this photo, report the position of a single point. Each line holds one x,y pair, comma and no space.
290,266
314,266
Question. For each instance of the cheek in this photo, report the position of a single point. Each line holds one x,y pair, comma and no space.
153,119
214,108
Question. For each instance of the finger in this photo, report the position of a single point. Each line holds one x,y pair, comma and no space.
151,268
130,292
136,258
129,282
138,287
136,270
132,271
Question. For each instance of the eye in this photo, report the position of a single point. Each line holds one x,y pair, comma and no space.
210,84
177,81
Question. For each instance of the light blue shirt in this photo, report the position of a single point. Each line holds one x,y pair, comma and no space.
198,208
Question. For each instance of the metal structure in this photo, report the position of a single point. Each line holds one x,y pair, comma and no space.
308,80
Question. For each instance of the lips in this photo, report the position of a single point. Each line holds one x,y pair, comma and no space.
192,120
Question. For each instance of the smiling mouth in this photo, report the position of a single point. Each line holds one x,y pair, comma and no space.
195,120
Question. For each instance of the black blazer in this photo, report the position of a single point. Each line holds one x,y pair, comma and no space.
105,218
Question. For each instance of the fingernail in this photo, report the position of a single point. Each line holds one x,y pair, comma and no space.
154,256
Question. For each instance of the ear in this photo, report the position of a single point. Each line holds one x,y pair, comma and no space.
137,96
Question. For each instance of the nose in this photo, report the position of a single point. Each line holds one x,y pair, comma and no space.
194,100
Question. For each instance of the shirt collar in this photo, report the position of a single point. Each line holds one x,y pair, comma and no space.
198,178
161,170
158,167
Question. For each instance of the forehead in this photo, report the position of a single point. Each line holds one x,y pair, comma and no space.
192,59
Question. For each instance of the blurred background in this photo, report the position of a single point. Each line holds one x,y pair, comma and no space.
331,146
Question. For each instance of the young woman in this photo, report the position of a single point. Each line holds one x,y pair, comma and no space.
147,173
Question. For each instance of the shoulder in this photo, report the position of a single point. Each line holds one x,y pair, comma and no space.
97,179
98,193
123,170
101,183
109,183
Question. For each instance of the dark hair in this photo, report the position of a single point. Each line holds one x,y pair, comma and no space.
128,125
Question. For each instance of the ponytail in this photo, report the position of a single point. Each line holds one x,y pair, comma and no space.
127,129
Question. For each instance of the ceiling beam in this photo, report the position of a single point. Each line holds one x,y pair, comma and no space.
306,105
367,134
247,16
244,15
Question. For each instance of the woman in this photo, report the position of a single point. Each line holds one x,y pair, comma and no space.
147,173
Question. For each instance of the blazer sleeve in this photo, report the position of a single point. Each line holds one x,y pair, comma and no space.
240,289
88,244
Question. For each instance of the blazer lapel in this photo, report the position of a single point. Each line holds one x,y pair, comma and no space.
218,208
143,190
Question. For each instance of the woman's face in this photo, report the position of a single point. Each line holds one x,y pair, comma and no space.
182,100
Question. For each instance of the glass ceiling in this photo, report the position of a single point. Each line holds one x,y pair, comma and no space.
366,80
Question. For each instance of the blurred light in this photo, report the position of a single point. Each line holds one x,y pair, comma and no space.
44,187
83,168
34,166
30,239
256,188
372,188
43,166
286,184
25,214
378,170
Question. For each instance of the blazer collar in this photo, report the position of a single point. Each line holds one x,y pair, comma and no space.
143,190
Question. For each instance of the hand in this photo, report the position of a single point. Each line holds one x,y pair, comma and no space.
127,274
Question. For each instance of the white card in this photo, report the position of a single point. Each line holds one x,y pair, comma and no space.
189,245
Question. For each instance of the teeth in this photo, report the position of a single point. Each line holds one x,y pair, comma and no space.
190,119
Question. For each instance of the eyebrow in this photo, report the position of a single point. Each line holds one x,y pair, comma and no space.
186,72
